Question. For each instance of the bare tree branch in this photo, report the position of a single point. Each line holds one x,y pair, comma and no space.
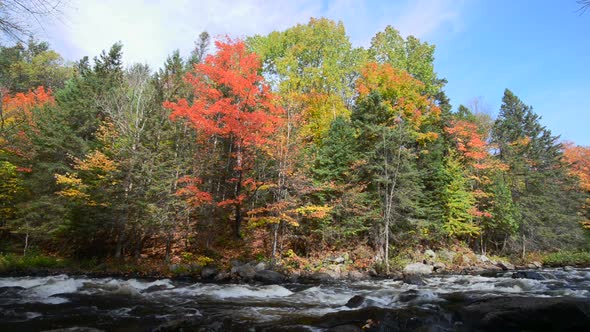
17,17
584,6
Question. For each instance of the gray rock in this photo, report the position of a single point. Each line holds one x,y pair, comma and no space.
75,329
430,254
395,275
414,279
568,268
408,295
356,275
527,275
245,271
439,267
418,268
483,259
526,314
209,272
223,276
355,301
338,260
335,271
320,276
180,324
447,255
345,328
269,277
235,263
505,266
537,264
260,266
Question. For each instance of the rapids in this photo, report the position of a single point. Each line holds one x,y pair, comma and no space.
54,302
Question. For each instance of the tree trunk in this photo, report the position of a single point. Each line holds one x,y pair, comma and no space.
274,243
238,190
168,247
26,244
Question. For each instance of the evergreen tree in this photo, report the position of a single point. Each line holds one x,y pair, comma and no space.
536,177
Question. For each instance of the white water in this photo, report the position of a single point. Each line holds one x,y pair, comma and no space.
165,298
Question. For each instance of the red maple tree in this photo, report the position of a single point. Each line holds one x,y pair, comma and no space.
233,102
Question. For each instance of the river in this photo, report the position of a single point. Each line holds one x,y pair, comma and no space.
108,304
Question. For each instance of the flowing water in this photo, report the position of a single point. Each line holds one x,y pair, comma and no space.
45,303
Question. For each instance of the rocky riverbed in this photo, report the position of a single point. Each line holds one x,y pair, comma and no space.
546,299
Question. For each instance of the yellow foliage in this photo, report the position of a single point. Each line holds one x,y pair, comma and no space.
96,161
315,211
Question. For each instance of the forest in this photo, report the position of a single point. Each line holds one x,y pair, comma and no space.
286,147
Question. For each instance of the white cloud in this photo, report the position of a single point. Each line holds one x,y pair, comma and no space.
425,17
152,29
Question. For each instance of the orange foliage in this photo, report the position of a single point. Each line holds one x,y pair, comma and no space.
231,101
404,93
231,97
578,158
21,104
17,116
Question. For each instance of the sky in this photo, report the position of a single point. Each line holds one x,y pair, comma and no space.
539,49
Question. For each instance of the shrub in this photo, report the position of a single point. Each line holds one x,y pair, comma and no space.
561,258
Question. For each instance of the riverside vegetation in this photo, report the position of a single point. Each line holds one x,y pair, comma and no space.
294,150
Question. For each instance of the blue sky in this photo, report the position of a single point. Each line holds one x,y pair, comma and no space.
537,48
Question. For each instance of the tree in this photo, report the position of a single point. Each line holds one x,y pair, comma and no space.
459,201
16,15
584,5
201,47
578,161
392,113
411,55
232,102
336,153
313,67
537,177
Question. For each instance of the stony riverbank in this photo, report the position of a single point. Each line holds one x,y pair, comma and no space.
329,269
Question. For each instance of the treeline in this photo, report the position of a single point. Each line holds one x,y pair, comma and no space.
291,143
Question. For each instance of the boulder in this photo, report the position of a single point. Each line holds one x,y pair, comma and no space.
395,275
235,263
209,272
338,260
76,329
320,276
483,258
335,271
155,288
418,268
180,324
245,271
505,266
430,254
414,279
355,301
527,275
223,276
526,314
383,319
439,267
260,266
344,328
447,255
408,296
568,268
269,277
537,264
356,275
